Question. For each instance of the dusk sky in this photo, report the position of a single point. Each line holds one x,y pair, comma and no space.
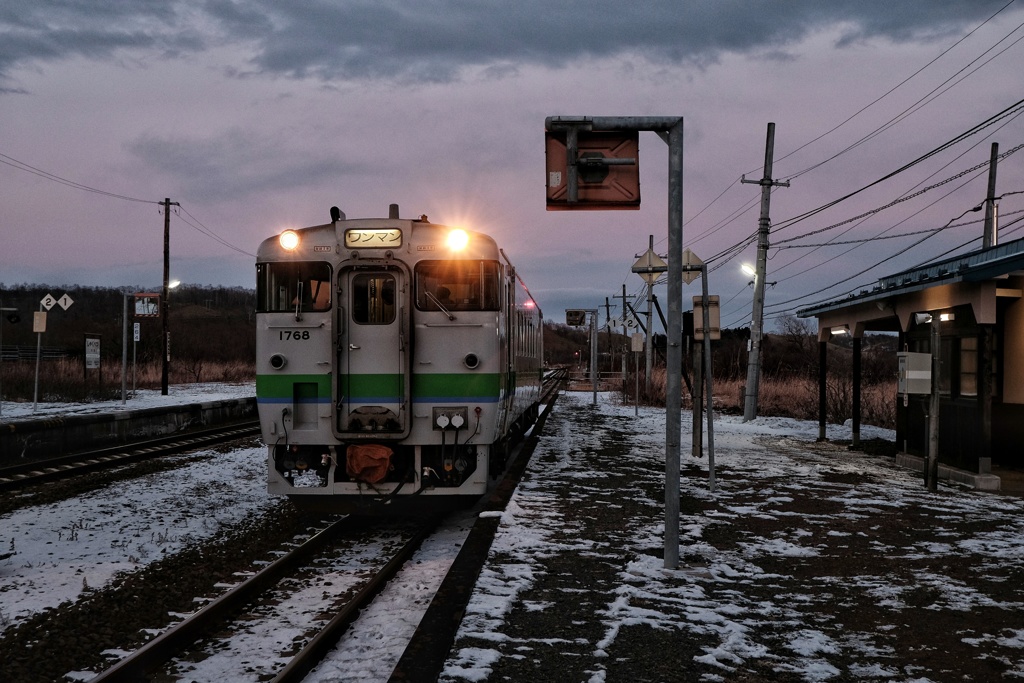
258,115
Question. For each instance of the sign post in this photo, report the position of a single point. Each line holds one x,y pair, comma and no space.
39,326
670,129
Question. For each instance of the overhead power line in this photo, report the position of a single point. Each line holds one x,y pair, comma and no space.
944,146
22,166
198,226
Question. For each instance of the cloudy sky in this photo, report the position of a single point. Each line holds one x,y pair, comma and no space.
258,115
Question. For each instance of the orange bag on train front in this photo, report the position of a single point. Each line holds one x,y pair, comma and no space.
368,463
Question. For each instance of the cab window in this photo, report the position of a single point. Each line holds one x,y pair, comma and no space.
457,285
304,286
373,299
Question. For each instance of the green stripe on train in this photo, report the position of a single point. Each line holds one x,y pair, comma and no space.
376,386
425,386
282,386
456,386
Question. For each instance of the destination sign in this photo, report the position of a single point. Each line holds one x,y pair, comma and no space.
356,238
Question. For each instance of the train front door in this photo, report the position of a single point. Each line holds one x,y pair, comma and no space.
373,352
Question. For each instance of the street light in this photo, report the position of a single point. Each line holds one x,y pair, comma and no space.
748,270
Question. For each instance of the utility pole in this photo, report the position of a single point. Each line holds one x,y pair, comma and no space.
611,344
625,331
991,232
164,320
757,320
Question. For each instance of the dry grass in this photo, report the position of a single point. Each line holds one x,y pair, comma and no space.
65,379
795,397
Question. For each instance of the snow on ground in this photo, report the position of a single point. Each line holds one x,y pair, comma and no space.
767,579
143,398
731,600
64,548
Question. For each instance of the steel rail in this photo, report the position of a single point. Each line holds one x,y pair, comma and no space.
22,474
143,662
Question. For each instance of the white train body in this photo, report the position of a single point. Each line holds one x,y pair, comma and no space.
391,362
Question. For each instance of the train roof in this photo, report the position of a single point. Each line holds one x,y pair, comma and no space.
426,237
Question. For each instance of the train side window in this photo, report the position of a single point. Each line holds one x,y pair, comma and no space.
373,299
468,285
281,287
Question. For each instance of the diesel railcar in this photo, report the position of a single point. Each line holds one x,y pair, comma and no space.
397,361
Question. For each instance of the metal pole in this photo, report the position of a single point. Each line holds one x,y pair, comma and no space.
636,383
671,130
124,350
39,354
593,352
931,473
709,394
674,344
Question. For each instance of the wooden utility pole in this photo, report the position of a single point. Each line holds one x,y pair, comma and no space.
756,322
625,330
164,320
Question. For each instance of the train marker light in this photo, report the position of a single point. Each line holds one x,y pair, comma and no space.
457,239
289,240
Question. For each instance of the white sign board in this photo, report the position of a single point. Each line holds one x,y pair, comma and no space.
92,353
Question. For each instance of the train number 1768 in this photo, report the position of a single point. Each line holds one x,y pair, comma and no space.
293,335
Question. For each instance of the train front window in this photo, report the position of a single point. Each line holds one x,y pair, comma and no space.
458,285
373,299
286,287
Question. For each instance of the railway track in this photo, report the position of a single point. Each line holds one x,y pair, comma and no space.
428,646
265,586
39,471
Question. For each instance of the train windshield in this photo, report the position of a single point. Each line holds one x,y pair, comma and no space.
458,285
373,298
282,287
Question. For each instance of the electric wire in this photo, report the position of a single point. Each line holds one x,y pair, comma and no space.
27,168
199,227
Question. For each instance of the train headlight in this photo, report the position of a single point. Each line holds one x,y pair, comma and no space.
289,240
277,361
472,361
458,239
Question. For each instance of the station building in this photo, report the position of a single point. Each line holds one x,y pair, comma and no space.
973,303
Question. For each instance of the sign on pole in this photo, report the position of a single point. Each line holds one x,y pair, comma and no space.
691,266
92,353
600,168
649,266
575,317
714,318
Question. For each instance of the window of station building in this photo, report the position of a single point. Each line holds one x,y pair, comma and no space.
296,285
373,298
945,365
968,366
458,285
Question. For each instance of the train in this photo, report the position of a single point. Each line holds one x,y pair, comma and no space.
398,361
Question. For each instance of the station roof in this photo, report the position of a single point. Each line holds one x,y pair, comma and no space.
977,266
